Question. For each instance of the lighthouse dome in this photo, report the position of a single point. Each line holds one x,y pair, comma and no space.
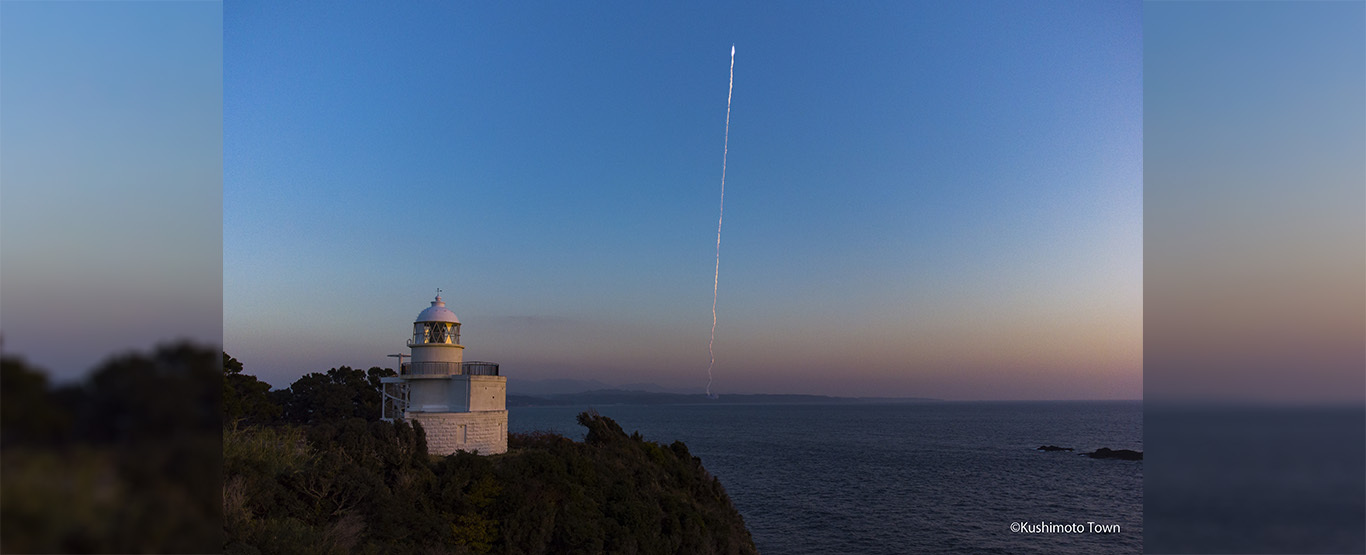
437,313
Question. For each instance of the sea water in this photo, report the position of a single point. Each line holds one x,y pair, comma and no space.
1229,479
907,478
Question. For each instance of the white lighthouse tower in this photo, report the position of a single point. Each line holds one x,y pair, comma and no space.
461,405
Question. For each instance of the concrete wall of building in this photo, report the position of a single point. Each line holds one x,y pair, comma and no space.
448,432
487,392
428,395
438,352
459,391
458,394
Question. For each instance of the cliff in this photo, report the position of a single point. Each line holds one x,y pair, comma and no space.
354,486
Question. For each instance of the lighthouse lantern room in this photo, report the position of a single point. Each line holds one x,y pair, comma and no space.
461,405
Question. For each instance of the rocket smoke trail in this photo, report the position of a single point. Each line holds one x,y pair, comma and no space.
716,280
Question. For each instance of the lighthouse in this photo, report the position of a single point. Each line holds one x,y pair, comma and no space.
461,405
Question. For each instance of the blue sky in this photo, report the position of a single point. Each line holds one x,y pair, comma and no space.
1255,160
922,198
111,141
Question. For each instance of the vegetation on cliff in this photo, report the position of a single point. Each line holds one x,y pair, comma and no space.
325,476
368,487
129,460
126,460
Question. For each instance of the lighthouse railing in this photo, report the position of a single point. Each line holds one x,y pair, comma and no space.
432,369
472,368
395,399
480,368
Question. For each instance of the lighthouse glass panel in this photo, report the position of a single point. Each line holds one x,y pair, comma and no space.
437,332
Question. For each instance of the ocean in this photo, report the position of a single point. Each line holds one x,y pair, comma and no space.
1229,479
907,478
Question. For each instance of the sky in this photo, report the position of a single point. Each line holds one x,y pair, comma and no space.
1255,202
990,201
111,141
922,199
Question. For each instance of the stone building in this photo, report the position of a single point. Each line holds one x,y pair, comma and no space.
461,405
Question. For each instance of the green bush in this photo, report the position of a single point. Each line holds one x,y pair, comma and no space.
368,487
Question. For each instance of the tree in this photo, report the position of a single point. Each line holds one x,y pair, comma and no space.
28,412
339,394
171,391
135,468
246,399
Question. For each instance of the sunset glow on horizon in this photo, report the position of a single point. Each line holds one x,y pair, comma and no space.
922,200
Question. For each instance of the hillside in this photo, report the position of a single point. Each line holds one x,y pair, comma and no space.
368,487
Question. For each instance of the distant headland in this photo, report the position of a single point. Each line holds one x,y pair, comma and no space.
635,397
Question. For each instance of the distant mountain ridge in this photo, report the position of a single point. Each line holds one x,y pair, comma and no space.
637,397
552,386
555,386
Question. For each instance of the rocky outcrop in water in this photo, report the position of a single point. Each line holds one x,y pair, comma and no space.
1053,448
1121,454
